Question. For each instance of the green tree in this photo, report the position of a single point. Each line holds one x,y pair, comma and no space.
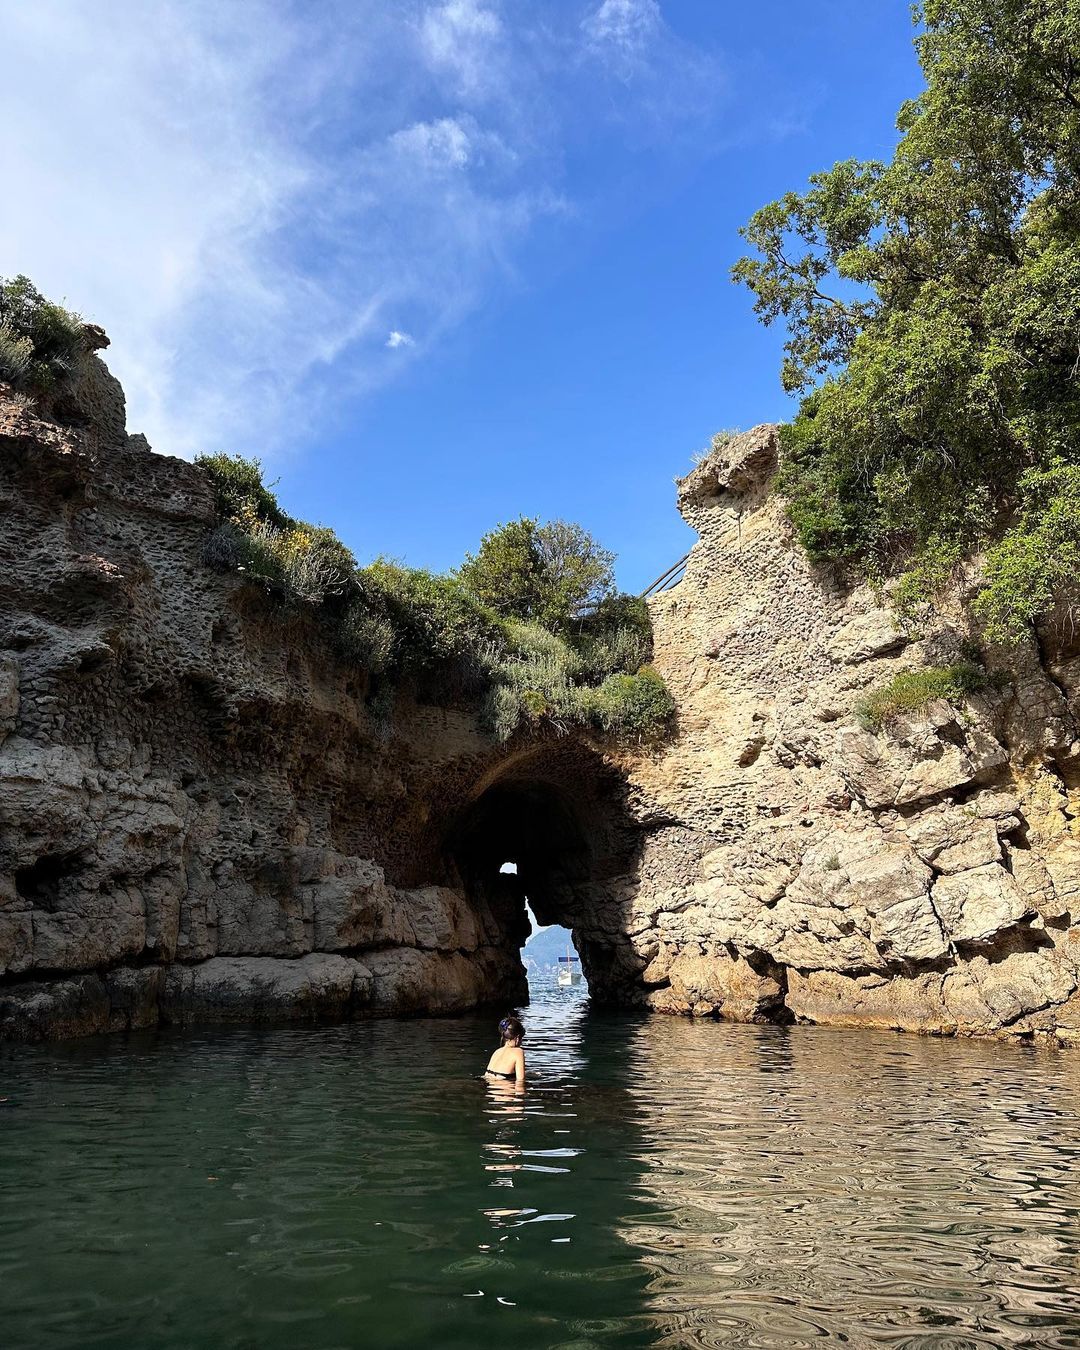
936,298
504,572
550,574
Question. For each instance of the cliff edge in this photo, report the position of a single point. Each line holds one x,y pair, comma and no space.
918,872
204,815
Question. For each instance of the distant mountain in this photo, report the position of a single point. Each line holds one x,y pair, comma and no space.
546,946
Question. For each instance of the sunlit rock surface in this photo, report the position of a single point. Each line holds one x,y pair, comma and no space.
921,877
204,818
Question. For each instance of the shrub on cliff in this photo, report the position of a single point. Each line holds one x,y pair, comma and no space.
616,635
41,344
634,707
239,489
436,633
913,690
436,623
300,561
543,677
535,677
937,299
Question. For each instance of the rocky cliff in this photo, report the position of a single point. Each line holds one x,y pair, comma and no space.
923,874
204,815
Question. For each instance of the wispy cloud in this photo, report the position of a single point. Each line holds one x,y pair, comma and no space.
250,198
669,81
621,32
465,40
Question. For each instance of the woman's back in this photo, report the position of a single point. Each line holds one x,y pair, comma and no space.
505,1060
508,1061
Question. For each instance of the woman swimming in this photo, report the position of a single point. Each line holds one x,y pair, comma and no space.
508,1062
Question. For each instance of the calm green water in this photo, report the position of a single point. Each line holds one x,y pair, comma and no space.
660,1182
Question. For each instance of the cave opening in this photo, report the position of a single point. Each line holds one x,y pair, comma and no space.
549,956
546,840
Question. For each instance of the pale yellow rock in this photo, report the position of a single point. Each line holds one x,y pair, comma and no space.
718,985
204,813
975,906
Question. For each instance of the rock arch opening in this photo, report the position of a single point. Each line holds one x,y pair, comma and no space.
558,813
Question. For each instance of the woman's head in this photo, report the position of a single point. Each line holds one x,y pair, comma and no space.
511,1031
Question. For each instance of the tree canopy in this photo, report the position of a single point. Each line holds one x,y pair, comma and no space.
934,301
550,574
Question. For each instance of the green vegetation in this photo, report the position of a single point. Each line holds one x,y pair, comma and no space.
550,574
41,344
530,628
1037,561
542,677
913,690
936,298
240,491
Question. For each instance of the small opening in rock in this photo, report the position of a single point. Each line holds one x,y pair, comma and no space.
91,663
40,882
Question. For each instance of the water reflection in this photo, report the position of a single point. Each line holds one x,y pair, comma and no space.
552,1173
658,1183
806,1184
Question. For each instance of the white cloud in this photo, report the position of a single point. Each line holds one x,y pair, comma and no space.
667,82
462,40
239,193
622,31
247,197
435,145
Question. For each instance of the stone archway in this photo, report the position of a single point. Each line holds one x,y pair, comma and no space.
558,810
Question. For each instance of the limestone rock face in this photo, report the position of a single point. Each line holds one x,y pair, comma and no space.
202,818
925,876
255,988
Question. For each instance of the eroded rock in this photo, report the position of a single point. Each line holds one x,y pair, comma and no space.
923,875
202,817
977,905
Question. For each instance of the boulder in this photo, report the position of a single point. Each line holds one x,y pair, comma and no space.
264,989
919,757
977,905
866,636
954,838
719,985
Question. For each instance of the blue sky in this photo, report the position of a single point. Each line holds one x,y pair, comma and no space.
438,262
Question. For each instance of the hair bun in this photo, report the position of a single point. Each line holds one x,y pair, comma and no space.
510,1028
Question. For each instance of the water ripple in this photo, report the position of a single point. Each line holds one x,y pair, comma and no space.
659,1183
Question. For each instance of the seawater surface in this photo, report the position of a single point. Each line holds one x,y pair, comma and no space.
658,1183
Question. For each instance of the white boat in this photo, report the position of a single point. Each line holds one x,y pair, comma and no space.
567,973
